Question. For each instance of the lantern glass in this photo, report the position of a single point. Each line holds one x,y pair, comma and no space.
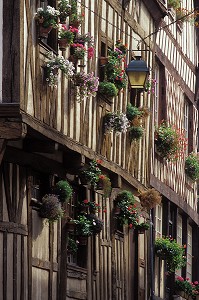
137,72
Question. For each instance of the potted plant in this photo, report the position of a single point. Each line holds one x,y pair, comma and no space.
174,3
192,166
183,287
47,19
63,190
174,254
116,122
51,208
84,38
72,246
104,183
142,227
136,132
128,214
91,173
65,37
134,113
76,20
96,223
195,291
170,141
150,198
83,229
122,47
87,85
52,67
78,51
64,8
107,89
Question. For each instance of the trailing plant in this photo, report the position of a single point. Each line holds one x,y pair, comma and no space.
92,172
170,141
84,226
192,166
150,198
78,50
76,20
106,185
142,226
63,190
116,122
174,3
184,285
122,47
47,17
133,112
114,69
128,214
64,33
51,208
64,8
172,252
84,38
87,85
72,245
91,205
136,132
53,65
96,223
108,89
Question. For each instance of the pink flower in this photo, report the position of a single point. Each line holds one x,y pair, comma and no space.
73,29
90,52
195,282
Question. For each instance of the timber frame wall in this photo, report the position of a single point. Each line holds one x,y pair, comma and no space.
47,134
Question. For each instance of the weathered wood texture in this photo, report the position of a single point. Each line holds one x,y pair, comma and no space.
83,121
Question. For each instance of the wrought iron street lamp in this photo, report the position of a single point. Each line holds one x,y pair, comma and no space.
137,72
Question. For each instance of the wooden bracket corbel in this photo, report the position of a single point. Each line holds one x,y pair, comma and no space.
3,143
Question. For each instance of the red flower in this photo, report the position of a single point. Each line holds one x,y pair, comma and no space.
130,226
85,201
102,177
99,161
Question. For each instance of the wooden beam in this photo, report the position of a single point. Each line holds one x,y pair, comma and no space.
32,145
3,143
12,129
69,143
174,197
37,162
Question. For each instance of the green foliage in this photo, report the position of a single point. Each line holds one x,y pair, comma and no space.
192,166
143,225
174,3
64,8
128,211
83,227
106,185
92,173
47,17
51,208
96,223
64,190
184,285
170,141
136,132
108,88
72,246
64,33
172,252
133,112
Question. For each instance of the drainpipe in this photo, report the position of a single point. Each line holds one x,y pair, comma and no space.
151,258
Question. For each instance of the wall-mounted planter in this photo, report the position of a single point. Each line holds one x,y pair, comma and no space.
44,31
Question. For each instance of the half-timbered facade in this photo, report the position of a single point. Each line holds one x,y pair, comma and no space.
48,134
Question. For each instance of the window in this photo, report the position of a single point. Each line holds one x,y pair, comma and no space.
51,41
179,237
158,221
186,120
189,252
159,93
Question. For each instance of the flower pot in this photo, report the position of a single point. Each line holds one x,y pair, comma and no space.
73,59
103,61
63,44
44,31
141,231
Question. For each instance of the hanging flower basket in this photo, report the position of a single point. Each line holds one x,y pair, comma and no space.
44,31
83,240
103,61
